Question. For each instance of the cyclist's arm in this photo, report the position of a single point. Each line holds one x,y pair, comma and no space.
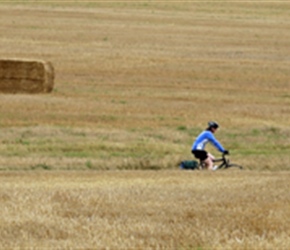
216,143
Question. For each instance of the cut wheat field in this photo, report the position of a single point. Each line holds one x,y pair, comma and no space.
144,210
94,164
135,82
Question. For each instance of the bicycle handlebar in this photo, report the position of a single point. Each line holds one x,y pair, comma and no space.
226,152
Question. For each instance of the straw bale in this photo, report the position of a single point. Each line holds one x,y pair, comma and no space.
26,76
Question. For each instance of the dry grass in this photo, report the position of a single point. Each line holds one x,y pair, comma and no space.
135,83
145,210
155,72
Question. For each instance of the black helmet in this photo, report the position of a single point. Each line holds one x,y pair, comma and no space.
213,124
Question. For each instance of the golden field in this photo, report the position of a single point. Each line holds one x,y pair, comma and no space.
144,210
135,82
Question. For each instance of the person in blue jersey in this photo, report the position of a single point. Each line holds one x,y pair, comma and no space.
198,146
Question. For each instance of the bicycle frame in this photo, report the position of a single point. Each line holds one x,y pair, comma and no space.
224,163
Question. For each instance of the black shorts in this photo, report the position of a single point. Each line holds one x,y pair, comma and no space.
200,154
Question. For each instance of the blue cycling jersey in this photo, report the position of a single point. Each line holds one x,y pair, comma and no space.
205,137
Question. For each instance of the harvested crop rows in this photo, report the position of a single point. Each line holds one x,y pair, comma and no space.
94,163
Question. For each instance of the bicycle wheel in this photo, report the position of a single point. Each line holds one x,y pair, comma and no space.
232,165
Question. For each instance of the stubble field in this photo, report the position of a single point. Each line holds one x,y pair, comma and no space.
144,210
135,83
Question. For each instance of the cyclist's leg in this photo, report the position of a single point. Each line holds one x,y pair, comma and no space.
211,156
208,163
202,155
211,162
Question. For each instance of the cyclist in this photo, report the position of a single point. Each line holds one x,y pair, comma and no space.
200,143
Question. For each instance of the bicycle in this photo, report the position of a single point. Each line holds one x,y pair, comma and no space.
225,163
